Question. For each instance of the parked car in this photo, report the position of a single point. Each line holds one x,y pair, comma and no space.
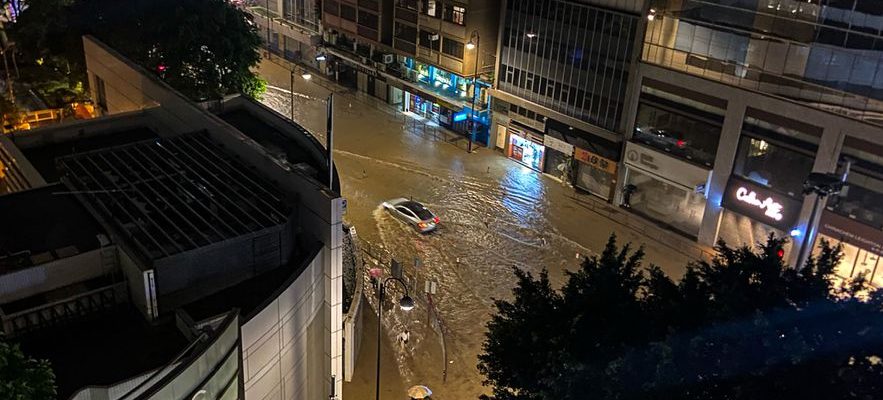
413,213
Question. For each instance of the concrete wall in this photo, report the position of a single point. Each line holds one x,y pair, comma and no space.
188,276
279,341
52,275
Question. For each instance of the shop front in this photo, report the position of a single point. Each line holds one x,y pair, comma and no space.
526,147
862,246
594,173
753,211
664,188
557,160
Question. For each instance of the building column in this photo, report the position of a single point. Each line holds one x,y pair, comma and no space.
826,159
723,168
334,297
630,116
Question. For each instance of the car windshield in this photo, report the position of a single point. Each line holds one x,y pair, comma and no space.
418,209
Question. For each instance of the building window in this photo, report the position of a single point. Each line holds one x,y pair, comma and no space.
772,165
677,134
406,32
348,12
452,48
431,8
409,4
455,14
331,7
426,40
368,19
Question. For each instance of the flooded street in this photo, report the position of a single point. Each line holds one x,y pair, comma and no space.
495,215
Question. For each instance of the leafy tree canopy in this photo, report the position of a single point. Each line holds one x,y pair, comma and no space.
22,377
741,326
203,48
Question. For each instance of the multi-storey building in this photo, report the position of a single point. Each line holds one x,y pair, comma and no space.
565,74
424,56
163,251
291,28
739,102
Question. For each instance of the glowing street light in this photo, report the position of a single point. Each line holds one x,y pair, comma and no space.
307,76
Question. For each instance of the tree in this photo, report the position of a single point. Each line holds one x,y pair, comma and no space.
22,377
741,326
203,48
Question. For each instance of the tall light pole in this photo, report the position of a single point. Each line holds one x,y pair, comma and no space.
269,53
822,185
405,303
474,43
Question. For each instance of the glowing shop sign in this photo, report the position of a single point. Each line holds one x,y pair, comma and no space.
771,208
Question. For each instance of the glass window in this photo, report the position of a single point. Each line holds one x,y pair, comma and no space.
772,165
409,4
431,8
331,6
455,14
862,200
678,134
406,32
673,205
426,40
452,47
348,12
368,19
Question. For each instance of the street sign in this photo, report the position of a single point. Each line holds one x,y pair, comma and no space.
430,287
396,268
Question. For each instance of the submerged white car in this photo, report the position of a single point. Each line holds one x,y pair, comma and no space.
413,213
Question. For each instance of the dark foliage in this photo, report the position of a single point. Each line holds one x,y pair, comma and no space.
742,326
203,48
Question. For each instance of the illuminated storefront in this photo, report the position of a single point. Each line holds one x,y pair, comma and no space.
664,188
752,212
444,97
526,147
862,246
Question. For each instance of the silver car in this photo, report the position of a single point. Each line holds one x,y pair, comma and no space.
413,213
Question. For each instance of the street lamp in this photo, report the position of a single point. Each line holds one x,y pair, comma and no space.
474,43
406,303
822,185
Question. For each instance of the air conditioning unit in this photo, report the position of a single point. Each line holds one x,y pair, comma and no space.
434,37
388,58
364,60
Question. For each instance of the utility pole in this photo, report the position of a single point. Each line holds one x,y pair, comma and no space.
291,93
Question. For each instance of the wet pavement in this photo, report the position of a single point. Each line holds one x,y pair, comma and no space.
495,215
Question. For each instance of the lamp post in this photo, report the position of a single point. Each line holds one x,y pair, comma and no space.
405,303
822,185
269,53
474,43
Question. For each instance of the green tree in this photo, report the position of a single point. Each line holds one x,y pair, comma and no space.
203,48
741,326
22,377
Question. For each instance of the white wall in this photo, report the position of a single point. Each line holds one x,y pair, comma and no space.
282,345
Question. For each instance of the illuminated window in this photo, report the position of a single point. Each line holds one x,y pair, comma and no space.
455,14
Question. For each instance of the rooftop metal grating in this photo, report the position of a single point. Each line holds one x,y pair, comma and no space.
175,194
